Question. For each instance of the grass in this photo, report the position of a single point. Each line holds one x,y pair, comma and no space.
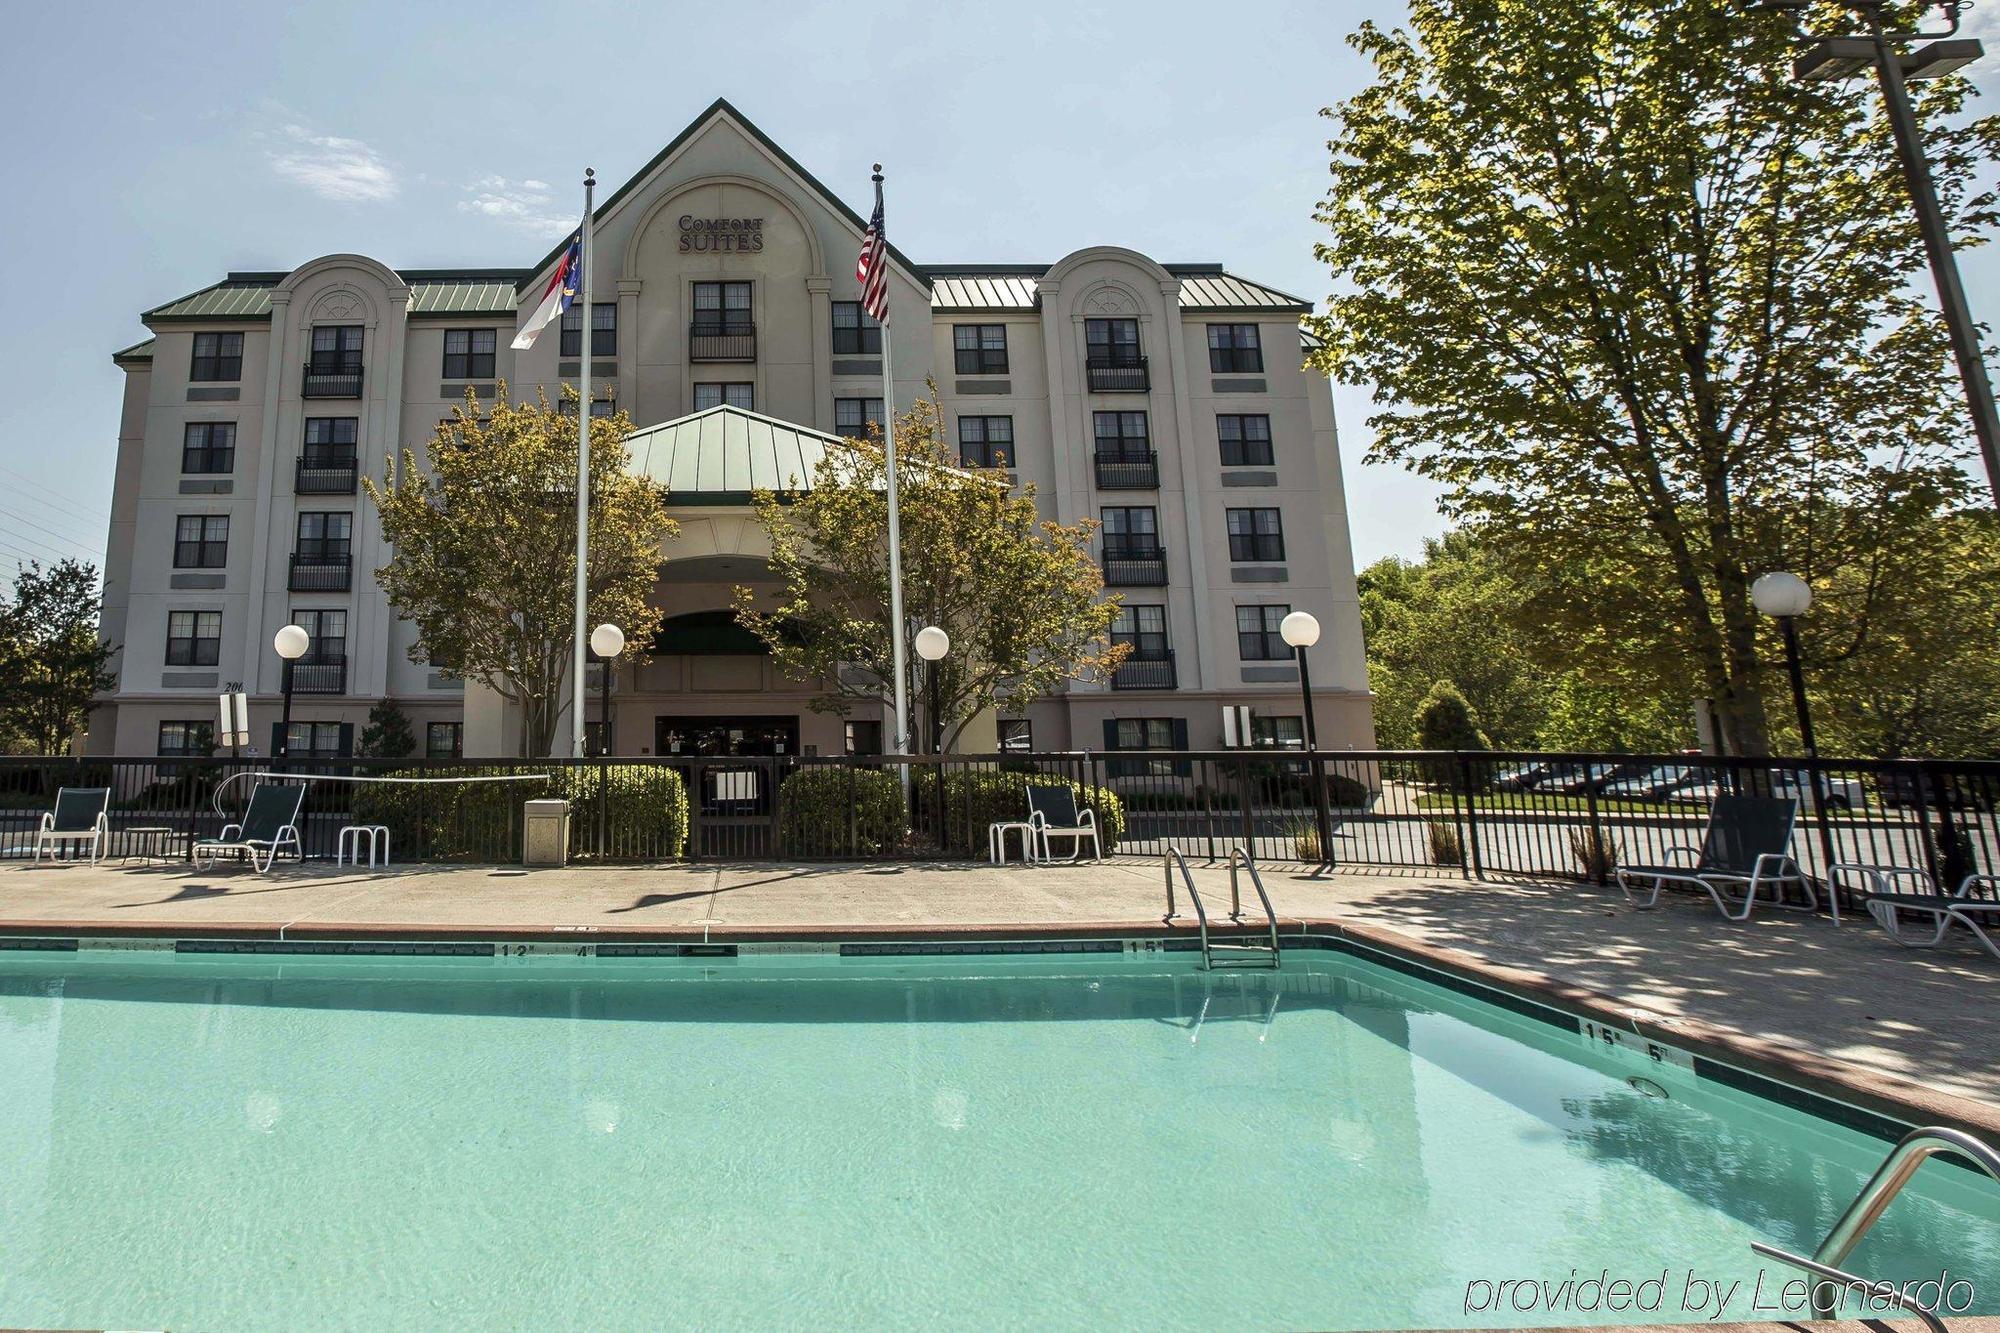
1532,803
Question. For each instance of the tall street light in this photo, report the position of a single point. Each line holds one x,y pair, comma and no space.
1786,597
932,644
1301,630
1845,56
606,641
291,644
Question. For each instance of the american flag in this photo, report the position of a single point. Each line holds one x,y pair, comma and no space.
869,269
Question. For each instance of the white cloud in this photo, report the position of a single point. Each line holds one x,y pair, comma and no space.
345,170
525,205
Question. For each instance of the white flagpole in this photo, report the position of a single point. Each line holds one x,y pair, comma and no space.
576,700
897,627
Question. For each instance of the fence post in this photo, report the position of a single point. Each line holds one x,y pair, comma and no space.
1472,858
1320,811
1594,867
1820,789
1952,864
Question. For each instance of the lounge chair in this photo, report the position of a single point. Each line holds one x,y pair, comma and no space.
80,816
1976,905
1052,813
270,825
1748,842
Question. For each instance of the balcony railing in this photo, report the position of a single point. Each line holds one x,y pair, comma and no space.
1132,566
1147,671
328,675
326,474
1117,374
321,573
710,341
1128,471
331,379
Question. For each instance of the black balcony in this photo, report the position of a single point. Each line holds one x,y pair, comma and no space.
326,474
1131,566
1117,374
734,341
1149,671
1128,471
321,573
328,675
331,379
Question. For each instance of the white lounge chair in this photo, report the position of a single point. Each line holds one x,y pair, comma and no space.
1976,905
1747,841
81,816
1052,813
270,825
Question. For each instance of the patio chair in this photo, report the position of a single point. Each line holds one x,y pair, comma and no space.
1052,813
80,816
1747,841
1976,905
270,825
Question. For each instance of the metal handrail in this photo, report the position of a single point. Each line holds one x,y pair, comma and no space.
1910,1152
1201,914
1257,882
1883,1290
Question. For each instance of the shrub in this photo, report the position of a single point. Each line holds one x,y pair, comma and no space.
1445,721
814,807
975,799
1595,855
1305,840
645,811
1447,848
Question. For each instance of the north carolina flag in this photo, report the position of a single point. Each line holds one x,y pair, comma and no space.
557,297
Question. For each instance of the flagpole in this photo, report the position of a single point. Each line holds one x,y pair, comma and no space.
576,700
897,627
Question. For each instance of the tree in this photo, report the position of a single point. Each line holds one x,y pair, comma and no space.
1445,721
484,548
52,661
1018,596
1642,300
388,734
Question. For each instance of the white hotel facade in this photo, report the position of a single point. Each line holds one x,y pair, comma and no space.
1168,401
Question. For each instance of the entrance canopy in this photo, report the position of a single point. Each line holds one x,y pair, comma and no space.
718,457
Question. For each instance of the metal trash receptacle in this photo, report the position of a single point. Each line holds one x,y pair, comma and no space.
545,833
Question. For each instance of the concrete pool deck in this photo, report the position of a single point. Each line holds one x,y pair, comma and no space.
1911,1032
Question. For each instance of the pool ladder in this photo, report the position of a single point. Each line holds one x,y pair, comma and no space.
1229,953
1911,1152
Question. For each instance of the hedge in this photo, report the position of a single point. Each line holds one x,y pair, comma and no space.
976,799
814,812
645,811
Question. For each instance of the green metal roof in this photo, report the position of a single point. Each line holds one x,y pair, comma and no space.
432,292
1013,287
463,296
723,454
136,353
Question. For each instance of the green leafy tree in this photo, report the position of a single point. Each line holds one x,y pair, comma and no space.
484,548
1643,301
1019,596
1445,721
52,661
388,734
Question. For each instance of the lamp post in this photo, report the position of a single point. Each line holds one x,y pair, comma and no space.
932,644
606,641
291,644
1786,597
1301,630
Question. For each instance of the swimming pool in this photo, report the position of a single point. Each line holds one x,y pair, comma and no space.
1105,1138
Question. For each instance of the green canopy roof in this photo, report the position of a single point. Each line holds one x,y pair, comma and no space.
720,456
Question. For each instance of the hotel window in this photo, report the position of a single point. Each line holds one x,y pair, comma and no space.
1122,436
468,353
1016,734
1132,531
1256,534
336,349
194,638
1111,342
979,349
721,395
853,416
1233,348
864,738
1257,637
1246,439
1146,733
1278,733
217,356
604,407
328,628
1145,628
319,740
721,307
331,439
444,739
325,538
186,740
986,441
854,333
209,446
603,330
201,541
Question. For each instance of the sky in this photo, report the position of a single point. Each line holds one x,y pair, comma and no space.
151,149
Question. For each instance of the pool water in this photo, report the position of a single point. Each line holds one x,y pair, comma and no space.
1053,1141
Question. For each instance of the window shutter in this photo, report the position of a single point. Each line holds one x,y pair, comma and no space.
1113,767
1185,767
277,739
346,740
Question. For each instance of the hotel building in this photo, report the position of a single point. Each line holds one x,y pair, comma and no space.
1169,401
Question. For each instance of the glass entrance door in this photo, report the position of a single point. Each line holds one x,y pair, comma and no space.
706,737
733,768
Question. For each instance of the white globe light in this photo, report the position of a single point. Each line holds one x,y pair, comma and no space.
1299,629
607,641
932,643
1781,594
291,642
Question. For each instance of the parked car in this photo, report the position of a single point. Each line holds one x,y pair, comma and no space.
1960,791
1524,777
1594,776
1842,793
1653,784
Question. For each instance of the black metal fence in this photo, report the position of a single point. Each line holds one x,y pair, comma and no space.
1472,814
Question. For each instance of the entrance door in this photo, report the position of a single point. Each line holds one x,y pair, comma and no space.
707,737
734,804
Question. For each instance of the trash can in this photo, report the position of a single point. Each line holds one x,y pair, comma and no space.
545,833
